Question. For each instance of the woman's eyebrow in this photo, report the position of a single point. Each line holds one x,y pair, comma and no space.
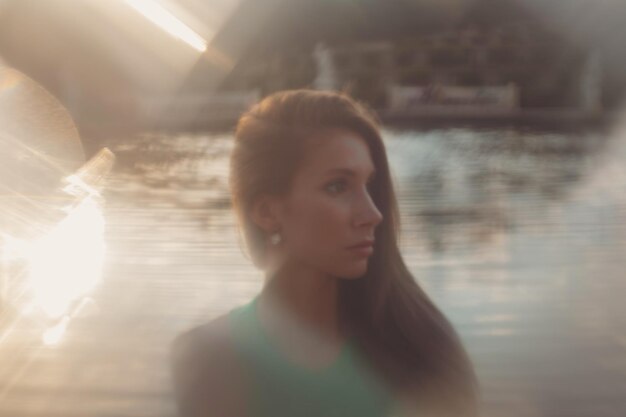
347,171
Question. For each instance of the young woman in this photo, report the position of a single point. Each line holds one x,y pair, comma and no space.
341,327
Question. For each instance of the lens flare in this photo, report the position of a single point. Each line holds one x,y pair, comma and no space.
53,335
67,262
161,17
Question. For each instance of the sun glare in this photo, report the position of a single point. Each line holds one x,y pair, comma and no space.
53,335
161,17
67,262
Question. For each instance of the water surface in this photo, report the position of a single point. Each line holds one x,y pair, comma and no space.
517,234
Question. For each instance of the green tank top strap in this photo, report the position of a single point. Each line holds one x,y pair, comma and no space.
282,388
254,342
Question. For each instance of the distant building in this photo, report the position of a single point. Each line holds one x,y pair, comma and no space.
545,69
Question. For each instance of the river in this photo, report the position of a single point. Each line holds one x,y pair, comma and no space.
518,234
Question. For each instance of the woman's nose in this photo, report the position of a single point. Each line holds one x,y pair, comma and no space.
368,212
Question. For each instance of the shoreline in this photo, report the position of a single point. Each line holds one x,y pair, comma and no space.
542,119
554,117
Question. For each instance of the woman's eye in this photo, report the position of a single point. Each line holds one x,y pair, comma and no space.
340,185
336,186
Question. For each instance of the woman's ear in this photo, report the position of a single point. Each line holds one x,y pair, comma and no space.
264,214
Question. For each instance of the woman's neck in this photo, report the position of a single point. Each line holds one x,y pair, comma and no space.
302,307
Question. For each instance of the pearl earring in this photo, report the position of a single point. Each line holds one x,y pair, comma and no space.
275,238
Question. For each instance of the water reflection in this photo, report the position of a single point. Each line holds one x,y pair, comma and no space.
519,235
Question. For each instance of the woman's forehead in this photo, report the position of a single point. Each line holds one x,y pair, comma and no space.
337,149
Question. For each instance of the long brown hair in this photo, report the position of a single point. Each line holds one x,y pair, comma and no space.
404,336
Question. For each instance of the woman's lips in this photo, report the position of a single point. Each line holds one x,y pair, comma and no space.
364,242
362,250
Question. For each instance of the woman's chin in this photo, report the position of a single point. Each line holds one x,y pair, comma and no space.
354,272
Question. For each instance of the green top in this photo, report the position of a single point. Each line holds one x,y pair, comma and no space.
346,388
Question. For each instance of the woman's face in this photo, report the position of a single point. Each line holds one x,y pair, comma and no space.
329,207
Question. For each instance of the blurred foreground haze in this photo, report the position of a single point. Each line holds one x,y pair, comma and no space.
504,126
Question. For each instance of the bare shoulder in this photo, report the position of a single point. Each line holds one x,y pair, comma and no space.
208,376
214,337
